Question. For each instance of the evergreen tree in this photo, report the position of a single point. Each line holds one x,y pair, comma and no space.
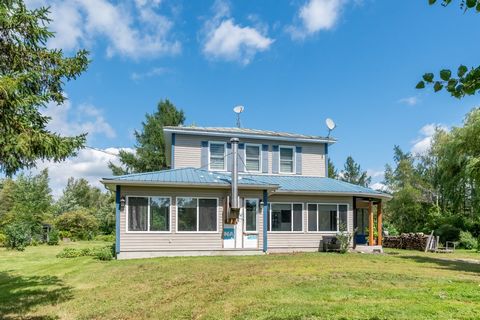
352,173
332,171
150,148
31,76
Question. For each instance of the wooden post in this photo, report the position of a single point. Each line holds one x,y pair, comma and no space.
370,223
379,223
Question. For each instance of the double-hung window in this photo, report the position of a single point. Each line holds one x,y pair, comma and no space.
286,217
252,157
287,159
196,214
146,214
218,155
327,217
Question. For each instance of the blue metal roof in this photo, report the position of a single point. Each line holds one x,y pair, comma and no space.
183,176
293,183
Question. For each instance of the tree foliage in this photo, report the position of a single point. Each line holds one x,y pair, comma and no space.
150,148
31,77
352,173
462,81
332,171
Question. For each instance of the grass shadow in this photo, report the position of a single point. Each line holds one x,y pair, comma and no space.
20,294
450,264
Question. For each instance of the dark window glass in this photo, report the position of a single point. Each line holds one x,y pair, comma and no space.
343,216
297,217
137,213
187,214
207,215
159,214
312,217
250,215
327,217
281,217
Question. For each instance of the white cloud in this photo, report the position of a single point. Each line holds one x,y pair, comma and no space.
85,118
379,186
316,15
89,164
154,72
422,144
411,101
228,41
375,173
131,29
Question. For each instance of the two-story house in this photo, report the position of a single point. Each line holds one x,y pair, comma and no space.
286,201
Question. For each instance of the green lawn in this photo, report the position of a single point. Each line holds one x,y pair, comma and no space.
399,285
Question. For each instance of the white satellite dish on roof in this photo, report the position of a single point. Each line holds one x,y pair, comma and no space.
238,109
330,125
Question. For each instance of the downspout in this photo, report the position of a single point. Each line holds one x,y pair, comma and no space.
234,210
117,219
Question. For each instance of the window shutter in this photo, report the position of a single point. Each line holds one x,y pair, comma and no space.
229,157
204,155
265,158
275,159
241,157
298,160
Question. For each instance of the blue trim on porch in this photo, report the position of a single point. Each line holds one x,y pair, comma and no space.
172,162
265,220
117,219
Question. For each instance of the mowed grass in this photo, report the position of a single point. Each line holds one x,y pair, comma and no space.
399,285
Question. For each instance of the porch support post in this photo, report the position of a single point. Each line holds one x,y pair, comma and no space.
370,223
379,223
265,220
117,219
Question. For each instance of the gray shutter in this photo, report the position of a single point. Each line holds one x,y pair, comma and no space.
298,160
229,157
241,157
275,159
204,155
265,158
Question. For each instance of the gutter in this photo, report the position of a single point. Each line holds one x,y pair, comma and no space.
384,196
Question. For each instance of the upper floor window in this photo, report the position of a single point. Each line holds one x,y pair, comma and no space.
148,214
252,157
287,160
218,155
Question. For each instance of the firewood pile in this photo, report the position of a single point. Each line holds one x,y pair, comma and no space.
409,241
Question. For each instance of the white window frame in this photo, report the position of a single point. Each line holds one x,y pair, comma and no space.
338,204
224,155
291,208
294,159
257,214
259,146
198,214
148,214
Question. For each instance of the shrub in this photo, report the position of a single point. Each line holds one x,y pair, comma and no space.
344,237
105,237
3,239
18,236
80,223
64,234
104,253
448,232
53,237
69,253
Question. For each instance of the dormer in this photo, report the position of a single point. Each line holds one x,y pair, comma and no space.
260,151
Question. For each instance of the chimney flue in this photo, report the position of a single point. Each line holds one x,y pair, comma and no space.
234,210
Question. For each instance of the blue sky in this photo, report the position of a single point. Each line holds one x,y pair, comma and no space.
291,63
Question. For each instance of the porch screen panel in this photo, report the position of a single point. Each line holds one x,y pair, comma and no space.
281,217
312,217
159,214
327,217
187,214
343,217
297,217
250,215
137,213
207,215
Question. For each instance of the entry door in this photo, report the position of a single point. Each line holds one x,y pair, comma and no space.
250,223
361,223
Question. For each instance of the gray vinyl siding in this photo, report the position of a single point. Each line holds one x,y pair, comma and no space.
305,239
187,153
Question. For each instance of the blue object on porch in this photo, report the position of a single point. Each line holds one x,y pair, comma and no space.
360,239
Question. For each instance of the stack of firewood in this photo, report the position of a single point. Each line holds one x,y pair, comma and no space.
409,241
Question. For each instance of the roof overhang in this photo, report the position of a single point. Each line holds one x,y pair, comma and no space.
168,136
383,196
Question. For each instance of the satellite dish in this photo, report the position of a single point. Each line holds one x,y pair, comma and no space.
330,125
238,109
